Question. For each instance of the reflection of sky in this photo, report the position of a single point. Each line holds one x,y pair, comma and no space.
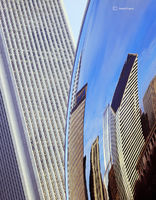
111,35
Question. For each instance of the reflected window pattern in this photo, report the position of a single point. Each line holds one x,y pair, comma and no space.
116,57
76,170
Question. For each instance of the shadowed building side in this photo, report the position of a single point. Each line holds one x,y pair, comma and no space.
76,176
149,102
145,125
85,183
112,186
96,184
146,166
11,186
120,88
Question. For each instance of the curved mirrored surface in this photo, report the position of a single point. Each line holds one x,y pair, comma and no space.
111,124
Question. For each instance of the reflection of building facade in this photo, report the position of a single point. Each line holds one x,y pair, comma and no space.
108,142
110,148
129,135
145,125
75,84
144,161
149,102
84,172
146,166
105,190
76,179
112,186
36,61
96,185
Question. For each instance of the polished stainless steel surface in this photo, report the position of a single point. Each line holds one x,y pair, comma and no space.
116,58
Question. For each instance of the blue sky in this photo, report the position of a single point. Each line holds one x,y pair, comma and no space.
75,11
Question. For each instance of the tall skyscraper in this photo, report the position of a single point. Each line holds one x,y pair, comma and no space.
111,154
109,145
76,179
149,102
107,133
10,178
129,135
96,185
36,62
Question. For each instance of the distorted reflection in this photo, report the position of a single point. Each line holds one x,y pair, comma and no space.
111,125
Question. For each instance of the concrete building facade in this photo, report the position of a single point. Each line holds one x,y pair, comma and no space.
37,56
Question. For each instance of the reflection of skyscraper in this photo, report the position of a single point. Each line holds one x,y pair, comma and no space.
149,102
96,185
145,125
36,62
110,148
112,186
84,171
129,135
108,134
106,138
146,166
76,179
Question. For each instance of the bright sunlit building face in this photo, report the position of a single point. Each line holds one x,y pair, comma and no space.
129,135
37,56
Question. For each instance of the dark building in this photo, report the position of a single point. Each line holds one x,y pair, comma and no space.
84,168
149,102
112,186
146,166
145,125
124,76
96,185
144,161
76,162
